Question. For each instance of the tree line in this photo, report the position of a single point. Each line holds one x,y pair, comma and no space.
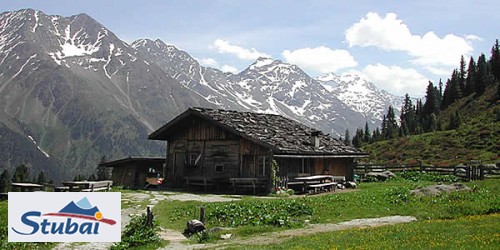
473,78
22,174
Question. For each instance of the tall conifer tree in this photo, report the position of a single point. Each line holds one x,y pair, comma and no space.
495,61
470,80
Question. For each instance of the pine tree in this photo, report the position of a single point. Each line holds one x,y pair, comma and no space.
4,181
470,81
377,136
408,117
432,100
462,74
41,178
391,129
357,140
367,136
481,75
453,90
347,136
495,61
21,174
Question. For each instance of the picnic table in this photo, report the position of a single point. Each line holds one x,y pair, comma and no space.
316,183
26,187
86,186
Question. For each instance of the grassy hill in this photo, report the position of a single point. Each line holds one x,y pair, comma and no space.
477,138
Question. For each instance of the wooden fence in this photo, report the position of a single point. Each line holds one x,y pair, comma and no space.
470,172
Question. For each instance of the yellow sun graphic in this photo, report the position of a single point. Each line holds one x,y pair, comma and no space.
98,215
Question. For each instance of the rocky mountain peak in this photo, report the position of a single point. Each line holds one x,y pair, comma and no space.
73,86
360,94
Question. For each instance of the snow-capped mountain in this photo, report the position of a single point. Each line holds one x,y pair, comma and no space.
267,86
361,95
80,92
208,83
72,92
271,86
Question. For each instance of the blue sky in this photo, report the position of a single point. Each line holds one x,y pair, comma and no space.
398,45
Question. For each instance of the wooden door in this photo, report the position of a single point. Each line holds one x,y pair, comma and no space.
248,166
179,166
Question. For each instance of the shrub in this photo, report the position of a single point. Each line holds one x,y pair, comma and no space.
435,177
138,233
257,212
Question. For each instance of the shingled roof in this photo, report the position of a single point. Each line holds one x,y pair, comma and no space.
282,135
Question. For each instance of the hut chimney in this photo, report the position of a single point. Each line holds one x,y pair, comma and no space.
315,139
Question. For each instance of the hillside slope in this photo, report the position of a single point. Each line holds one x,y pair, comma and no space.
477,138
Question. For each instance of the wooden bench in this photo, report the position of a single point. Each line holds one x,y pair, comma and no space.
339,179
61,189
26,187
327,186
98,186
200,181
253,183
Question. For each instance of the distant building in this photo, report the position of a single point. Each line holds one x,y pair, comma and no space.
132,172
222,144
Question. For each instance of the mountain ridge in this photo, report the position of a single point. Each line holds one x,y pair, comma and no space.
82,93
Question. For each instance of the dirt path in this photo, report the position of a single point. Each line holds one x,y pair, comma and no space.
133,202
134,208
278,237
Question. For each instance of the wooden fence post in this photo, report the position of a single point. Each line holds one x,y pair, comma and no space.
202,215
468,173
149,217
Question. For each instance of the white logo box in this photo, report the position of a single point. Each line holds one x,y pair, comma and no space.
64,217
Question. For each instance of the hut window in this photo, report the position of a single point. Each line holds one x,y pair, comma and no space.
305,166
262,165
194,158
219,168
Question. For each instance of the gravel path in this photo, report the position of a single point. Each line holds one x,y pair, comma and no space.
134,199
278,237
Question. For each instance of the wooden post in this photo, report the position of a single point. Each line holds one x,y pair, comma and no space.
202,215
467,173
481,172
149,217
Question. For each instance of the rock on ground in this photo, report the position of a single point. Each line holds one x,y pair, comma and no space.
439,189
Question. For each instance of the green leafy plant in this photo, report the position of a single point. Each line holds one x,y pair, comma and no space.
435,177
257,212
138,233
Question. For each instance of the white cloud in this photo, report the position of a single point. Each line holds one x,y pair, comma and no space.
242,53
397,80
230,69
392,34
210,62
321,59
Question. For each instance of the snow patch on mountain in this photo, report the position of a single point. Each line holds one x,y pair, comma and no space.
41,150
261,62
361,95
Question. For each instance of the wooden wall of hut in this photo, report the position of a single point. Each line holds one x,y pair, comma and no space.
204,149
293,167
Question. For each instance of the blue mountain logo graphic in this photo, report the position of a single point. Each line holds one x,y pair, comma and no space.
82,210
